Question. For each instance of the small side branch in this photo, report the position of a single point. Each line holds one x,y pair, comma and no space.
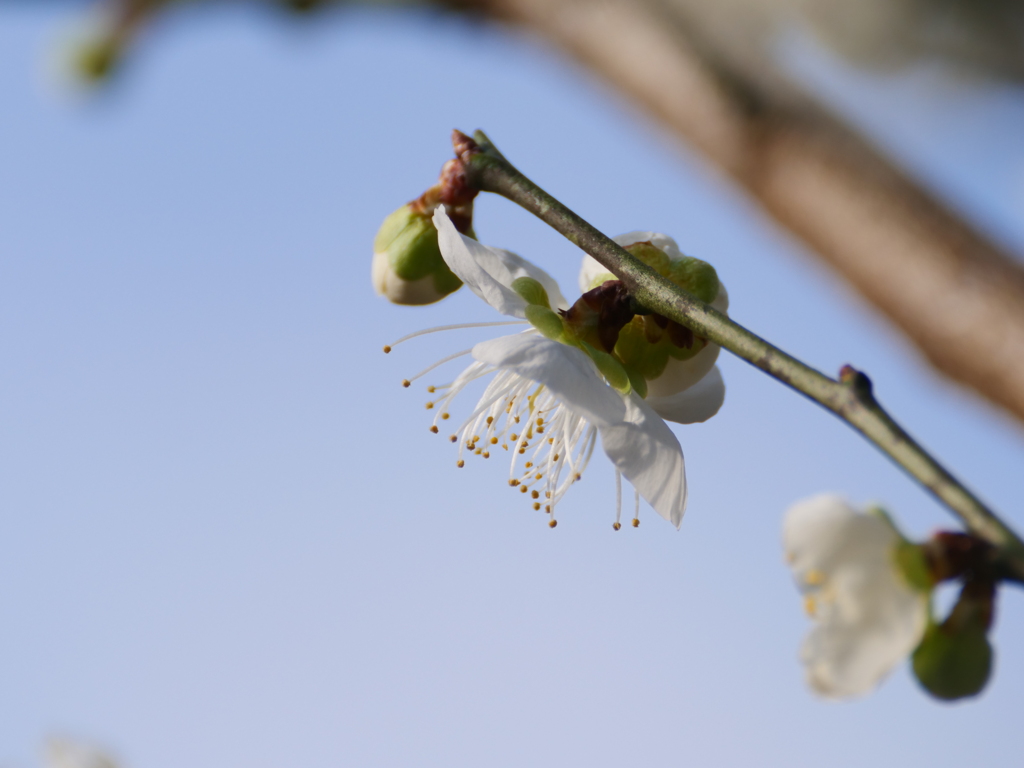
850,397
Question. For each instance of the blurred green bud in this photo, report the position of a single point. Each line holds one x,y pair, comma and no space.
407,264
954,659
95,59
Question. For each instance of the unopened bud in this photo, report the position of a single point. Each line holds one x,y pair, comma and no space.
408,267
954,659
407,264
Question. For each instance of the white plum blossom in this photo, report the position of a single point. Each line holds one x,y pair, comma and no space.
547,401
688,391
868,617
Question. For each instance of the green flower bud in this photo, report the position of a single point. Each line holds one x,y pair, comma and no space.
94,60
953,665
954,659
407,264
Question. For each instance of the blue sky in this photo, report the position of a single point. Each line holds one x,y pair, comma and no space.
228,537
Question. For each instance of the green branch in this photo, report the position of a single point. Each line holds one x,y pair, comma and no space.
850,397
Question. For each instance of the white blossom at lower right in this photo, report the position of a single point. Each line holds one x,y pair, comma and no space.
868,618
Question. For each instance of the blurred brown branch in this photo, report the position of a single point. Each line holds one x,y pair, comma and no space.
704,70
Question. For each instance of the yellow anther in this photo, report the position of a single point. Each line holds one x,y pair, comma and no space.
551,441
406,382
494,441
538,476
535,494
552,524
476,438
386,349
523,489
547,507
522,450
555,457
513,483
547,494
454,438
486,455
460,464
578,476
636,522
478,451
810,605
514,436
431,389
540,430
536,506
503,445
528,464
616,526
540,420
444,415
490,420
434,430
516,418
814,578
429,405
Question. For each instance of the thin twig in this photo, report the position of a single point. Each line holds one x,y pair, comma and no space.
850,397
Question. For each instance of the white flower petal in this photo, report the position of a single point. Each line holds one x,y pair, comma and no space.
696,404
566,371
868,618
489,272
643,448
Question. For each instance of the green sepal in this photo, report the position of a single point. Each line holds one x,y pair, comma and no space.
547,322
610,368
953,665
912,563
531,291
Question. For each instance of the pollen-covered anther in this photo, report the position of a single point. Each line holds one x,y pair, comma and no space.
535,494
536,505
523,489
552,524
490,420
513,483
540,421
616,526
528,464
406,383
460,464
547,507
430,405
431,389
636,522
478,451
513,436
494,441
433,429
454,438
387,349
538,476
810,605
445,415
578,476
486,455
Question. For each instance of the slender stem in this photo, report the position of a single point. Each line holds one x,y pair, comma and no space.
850,397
